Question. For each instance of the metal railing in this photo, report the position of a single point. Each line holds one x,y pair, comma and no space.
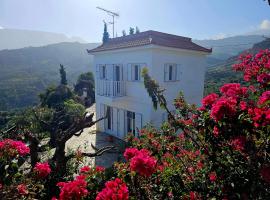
111,88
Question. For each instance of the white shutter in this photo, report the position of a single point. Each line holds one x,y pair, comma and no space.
121,123
129,72
179,72
102,114
166,72
138,123
97,72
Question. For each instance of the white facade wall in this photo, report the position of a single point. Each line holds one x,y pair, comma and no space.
191,82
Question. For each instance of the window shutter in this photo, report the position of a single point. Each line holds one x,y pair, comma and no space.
166,72
179,72
102,114
138,123
97,71
129,72
175,71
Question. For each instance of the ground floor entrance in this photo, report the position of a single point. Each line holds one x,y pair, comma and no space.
120,122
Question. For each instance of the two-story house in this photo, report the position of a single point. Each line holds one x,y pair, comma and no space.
175,62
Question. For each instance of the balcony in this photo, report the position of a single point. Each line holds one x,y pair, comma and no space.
111,88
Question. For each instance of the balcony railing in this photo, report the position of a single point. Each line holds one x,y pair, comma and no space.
111,88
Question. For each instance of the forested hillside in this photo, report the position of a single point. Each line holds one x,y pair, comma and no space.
222,73
24,73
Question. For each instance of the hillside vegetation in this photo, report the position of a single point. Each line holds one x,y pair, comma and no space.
24,73
222,73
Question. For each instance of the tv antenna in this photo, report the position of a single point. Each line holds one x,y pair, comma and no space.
112,14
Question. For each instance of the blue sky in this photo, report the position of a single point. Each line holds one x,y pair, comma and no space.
199,19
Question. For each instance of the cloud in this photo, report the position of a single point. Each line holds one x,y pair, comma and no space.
265,25
219,36
1,27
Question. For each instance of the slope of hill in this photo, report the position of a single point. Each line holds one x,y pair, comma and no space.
228,47
24,73
223,73
15,39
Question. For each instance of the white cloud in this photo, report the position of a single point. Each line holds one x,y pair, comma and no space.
219,36
1,27
265,25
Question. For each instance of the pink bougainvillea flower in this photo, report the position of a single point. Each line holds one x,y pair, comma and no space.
130,153
85,169
114,190
42,169
143,163
22,189
13,147
212,176
73,190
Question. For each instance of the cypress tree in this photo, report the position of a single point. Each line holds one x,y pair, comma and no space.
63,75
137,30
106,35
131,31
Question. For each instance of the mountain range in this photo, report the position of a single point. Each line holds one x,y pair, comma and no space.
15,38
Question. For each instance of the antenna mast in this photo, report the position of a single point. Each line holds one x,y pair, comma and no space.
112,14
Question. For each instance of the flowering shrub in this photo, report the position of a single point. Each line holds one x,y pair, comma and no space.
114,189
42,169
73,190
12,148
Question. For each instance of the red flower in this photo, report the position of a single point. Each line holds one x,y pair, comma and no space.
238,143
265,173
13,147
22,189
223,107
243,105
233,90
216,131
73,190
193,195
85,169
264,79
114,190
213,176
200,165
42,169
264,98
209,99
143,163
100,169
130,153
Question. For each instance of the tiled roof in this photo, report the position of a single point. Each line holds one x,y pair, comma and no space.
147,38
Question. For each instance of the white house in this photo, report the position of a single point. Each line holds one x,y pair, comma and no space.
175,62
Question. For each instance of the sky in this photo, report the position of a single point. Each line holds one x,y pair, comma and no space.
198,19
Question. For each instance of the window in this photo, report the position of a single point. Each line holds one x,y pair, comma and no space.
136,73
171,72
102,72
109,120
131,122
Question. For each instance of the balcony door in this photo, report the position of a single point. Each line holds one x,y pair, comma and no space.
117,77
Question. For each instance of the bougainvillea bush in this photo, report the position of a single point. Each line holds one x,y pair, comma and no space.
220,150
